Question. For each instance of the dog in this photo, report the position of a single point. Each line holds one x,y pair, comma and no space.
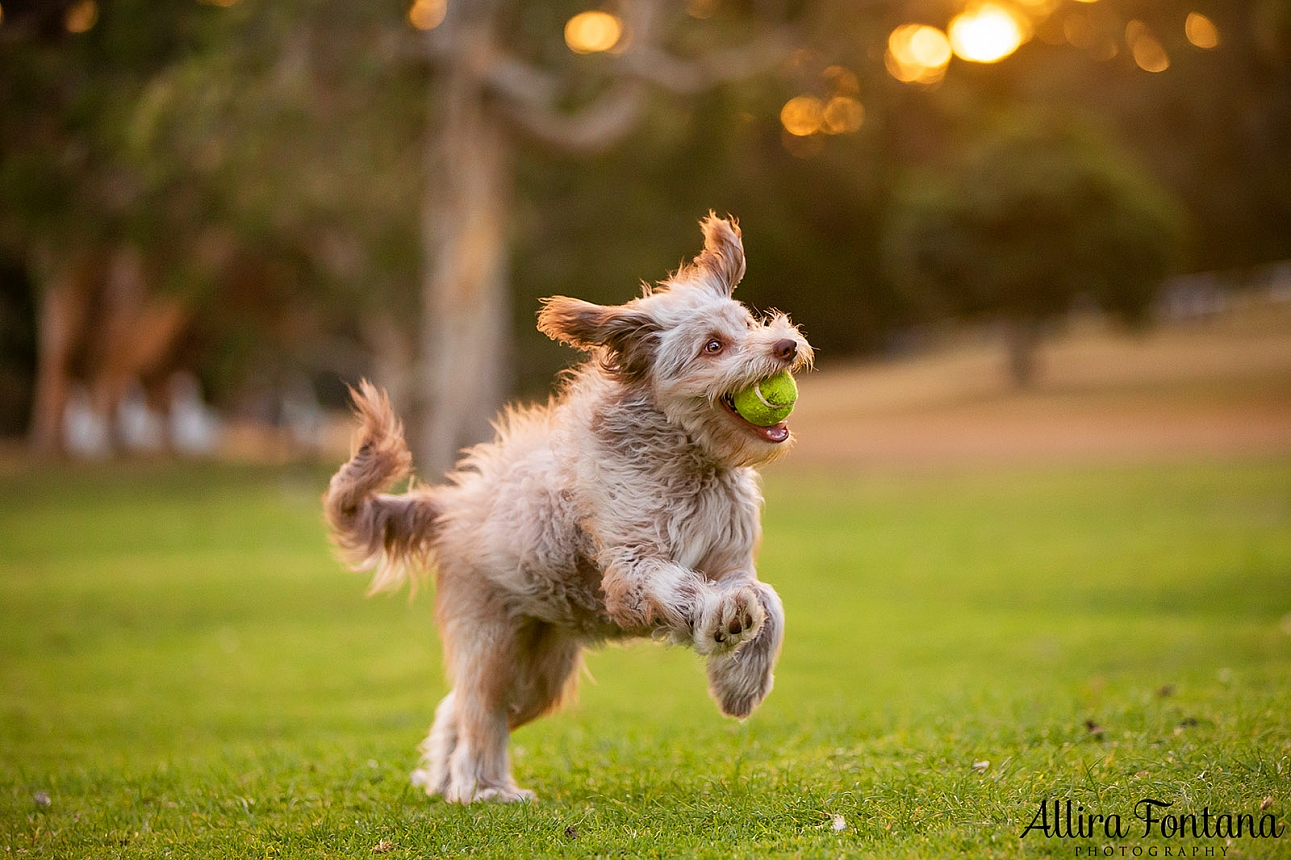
627,506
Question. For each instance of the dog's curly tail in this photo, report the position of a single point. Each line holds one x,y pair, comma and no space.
373,530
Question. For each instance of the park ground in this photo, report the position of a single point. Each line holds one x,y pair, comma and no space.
996,600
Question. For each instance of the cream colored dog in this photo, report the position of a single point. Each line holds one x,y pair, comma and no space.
626,506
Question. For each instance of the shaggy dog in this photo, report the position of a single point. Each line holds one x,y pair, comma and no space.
627,506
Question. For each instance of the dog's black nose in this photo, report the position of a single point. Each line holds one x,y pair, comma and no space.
785,349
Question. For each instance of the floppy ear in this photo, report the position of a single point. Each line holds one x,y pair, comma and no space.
721,265
627,335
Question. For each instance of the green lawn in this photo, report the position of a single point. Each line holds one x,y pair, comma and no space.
184,671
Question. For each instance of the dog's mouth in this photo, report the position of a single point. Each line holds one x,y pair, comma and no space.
775,434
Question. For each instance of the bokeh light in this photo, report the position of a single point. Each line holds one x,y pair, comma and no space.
918,54
1147,50
806,117
1080,31
930,47
1094,31
81,16
591,32
987,33
1201,31
842,81
802,116
842,115
427,14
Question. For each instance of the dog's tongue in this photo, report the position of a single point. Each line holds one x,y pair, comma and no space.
774,433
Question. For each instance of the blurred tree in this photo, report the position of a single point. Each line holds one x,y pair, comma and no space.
1037,214
291,143
70,205
17,348
326,189
1214,124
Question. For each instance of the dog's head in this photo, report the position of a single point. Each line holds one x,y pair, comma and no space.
692,346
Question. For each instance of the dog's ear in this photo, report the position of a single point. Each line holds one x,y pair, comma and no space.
626,334
721,265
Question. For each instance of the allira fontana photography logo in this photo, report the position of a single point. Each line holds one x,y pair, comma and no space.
1150,819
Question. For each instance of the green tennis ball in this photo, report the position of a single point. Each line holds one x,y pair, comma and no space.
769,401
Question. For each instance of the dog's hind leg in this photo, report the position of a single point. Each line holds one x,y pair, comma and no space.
741,679
437,749
478,767
546,672
466,752
505,678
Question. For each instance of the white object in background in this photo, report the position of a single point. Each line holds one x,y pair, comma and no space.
194,427
139,427
301,413
85,430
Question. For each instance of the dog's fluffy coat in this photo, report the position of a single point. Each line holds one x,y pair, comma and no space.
626,506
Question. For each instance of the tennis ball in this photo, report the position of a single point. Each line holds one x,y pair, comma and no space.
769,401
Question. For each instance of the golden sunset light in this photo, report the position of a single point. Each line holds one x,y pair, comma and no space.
592,32
987,33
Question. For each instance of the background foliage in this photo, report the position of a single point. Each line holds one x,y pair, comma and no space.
268,160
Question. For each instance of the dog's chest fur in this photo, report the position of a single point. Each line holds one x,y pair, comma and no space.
655,487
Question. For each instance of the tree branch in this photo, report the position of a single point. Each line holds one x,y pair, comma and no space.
690,77
529,95
593,128
646,59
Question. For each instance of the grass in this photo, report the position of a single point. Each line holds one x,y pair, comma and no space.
185,672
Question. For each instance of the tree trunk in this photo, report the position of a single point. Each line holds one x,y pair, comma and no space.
60,316
465,313
96,310
1024,343
51,368
134,331
393,350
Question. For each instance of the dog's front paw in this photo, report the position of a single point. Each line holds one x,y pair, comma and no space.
740,680
727,621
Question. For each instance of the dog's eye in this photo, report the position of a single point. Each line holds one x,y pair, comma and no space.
713,347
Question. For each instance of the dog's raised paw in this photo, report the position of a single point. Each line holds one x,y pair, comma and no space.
728,622
740,681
